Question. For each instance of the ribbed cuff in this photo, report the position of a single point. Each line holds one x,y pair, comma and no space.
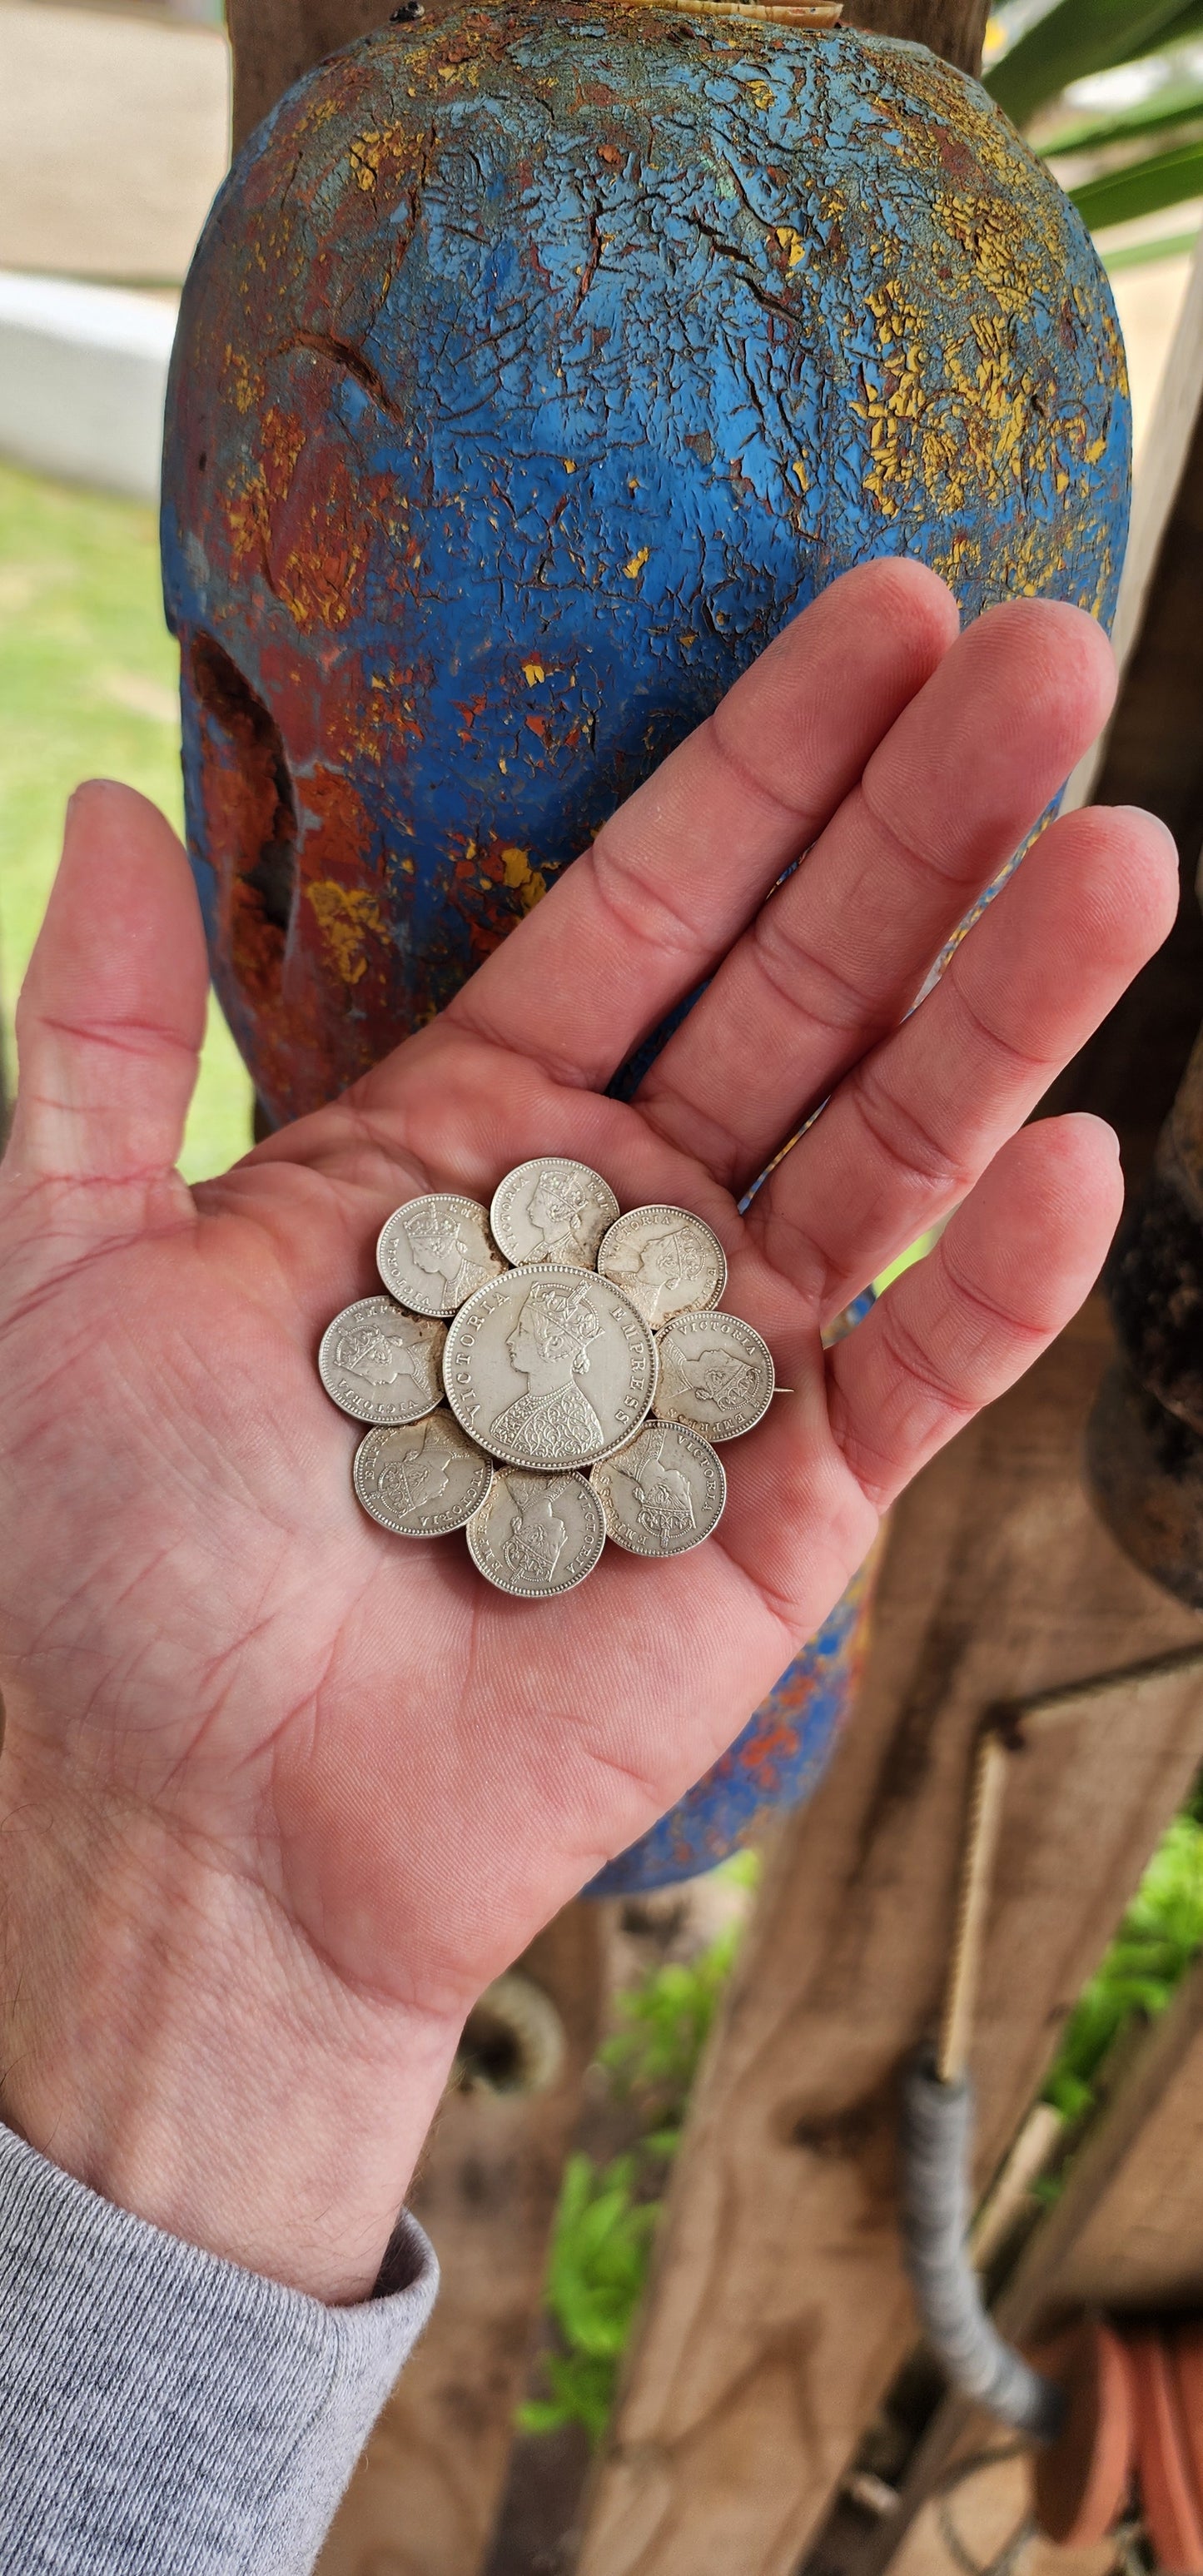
165,2413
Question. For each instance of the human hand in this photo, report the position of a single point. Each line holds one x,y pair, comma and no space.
281,1793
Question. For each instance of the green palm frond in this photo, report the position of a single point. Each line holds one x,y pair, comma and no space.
1143,188
1171,104
1077,37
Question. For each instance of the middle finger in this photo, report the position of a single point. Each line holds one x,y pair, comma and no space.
837,955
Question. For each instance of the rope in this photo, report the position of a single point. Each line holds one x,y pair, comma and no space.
986,1791
937,2131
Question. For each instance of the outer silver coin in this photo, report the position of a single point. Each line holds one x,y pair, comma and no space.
382,1365
715,1374
435,1250
668,1262
421,1479
664,1493
549,1368
537,1535
551,1210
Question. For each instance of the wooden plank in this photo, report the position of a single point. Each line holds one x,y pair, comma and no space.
953,28
1152,755
779,2312
274,41
424,2497
1156,496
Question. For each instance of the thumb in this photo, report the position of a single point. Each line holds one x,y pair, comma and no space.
110,1021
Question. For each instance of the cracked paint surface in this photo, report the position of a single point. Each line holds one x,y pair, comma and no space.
535,366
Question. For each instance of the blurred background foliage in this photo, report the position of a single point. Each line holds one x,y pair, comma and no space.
1110,92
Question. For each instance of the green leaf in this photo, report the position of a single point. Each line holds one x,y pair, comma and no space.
1144,188
1077,37
1168,106
1141,254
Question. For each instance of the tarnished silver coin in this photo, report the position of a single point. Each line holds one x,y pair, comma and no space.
715,1374
537,1535
421,1479
663,1493
549,1368
552,1211
667,1261
382,1365
435,1250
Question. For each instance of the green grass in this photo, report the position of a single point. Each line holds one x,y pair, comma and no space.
1160,1935
88,688
606,2220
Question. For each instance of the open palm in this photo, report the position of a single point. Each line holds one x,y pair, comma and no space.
399,1770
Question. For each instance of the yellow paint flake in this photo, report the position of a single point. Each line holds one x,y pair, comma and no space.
347,914
761,92
1095,450
534,673
502,767
569,465
632,570
524,880
802,478
792,243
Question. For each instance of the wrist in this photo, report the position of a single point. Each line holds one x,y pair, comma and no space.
171,2039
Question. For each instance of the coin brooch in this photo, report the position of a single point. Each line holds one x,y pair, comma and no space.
546,1374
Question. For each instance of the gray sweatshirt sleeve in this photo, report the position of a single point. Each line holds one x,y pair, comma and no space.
163,2413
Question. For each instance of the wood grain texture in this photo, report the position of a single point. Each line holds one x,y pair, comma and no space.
424,2497
1136,2234
953,28
779,2311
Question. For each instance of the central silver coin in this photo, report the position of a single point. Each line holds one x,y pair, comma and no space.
381,1365
667,1261
664,1493
549,1368
537,1535
435,1250
715,1374
422,1479
552,1210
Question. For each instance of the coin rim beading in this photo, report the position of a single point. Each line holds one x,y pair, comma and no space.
558,1162
655,1555
374,1422
449,1198
550,1476
662,1207
709,1314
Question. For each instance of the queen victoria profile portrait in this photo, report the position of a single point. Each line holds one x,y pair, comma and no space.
380,1358
440,1247
553,1423
563,1218
667,1262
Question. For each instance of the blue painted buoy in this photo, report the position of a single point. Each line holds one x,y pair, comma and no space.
536,364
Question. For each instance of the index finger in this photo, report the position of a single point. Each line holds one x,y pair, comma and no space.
679,870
